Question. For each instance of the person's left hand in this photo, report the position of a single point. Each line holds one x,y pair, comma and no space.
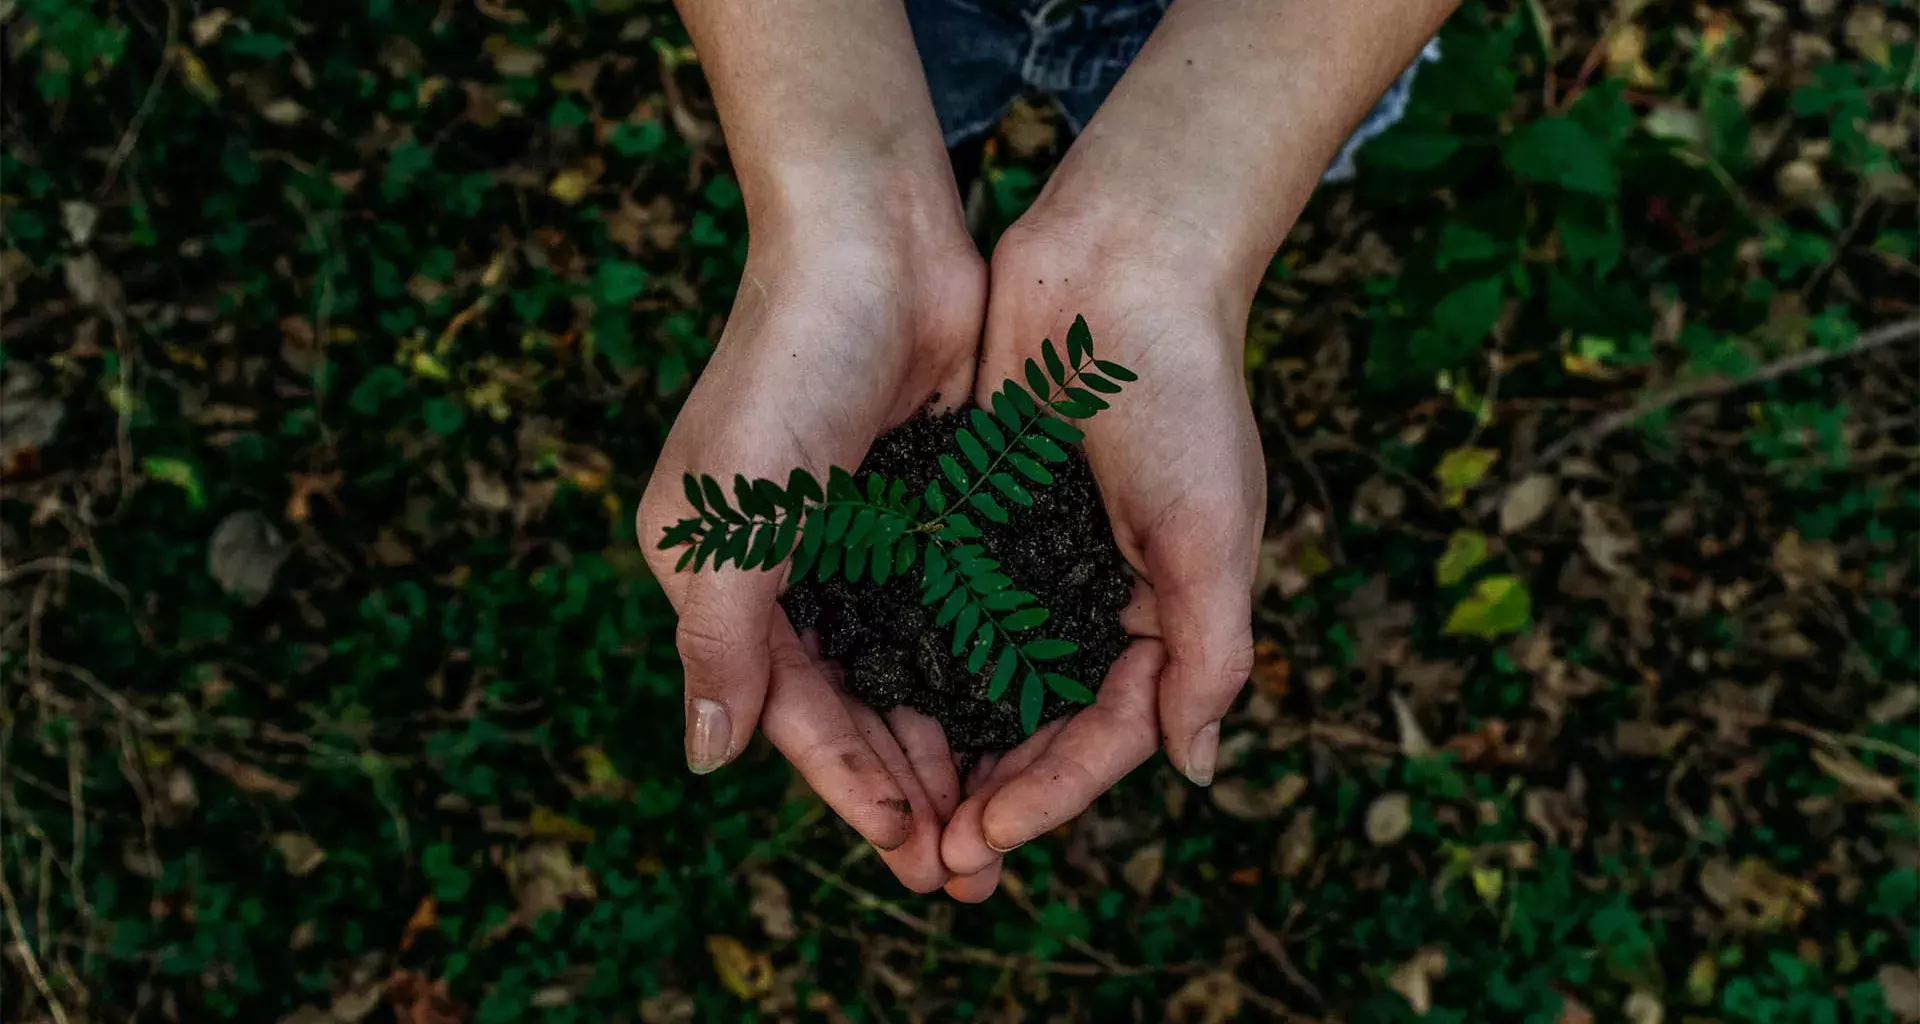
1178,462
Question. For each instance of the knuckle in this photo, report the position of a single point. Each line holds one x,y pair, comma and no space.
706,643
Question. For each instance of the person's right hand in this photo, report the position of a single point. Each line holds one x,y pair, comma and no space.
842,328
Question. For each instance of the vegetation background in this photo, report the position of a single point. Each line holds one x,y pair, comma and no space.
338,341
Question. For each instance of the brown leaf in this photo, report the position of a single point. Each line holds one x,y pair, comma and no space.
1607,537
772,907
301,853
1212,998
426,918
1525,502
1803,563
1414,979
1644,1007
1389,819
417,999
1143,869
544,878
246,776
1901,987
1857,778
1297,844
745,973
1271,670
1243,800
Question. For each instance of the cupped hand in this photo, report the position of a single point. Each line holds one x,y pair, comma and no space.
1177,458
836,335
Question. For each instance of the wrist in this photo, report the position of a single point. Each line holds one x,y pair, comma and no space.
1115,243
1138,225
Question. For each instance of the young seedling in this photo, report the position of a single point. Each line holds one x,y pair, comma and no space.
875,528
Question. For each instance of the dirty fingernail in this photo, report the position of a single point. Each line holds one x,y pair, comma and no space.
709,734
1202,753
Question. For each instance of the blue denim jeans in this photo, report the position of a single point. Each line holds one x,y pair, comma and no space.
980,54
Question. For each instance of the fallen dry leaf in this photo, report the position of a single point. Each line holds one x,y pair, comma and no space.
1389,819
1526,501
772,907
1142,870
1855,777
300,853
1212,998
745,973
1414,979
245,554
1901,986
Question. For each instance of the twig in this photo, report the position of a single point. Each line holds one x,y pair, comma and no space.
132,134
1275,947
1305,460
27,958
944,946
1586,437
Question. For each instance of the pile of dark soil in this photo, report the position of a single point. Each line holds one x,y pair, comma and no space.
1061,549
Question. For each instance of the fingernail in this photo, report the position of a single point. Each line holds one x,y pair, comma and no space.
709,734
1202,753
1003,849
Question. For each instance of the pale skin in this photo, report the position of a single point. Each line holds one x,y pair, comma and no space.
863,299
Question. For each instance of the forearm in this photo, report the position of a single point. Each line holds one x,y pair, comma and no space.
824,105
1223,124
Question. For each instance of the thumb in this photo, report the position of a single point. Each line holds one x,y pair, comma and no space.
725,618
1206,624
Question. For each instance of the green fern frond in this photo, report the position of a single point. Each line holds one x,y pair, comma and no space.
873,529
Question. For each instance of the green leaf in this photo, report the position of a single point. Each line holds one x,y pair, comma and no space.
1060,430
1099,383
770,494
1088,399
1470,311
876,486
1002,673
1049,649
783,539
963,627
1025,618
1068,688
1030,469
938,586
970,447
1055,368
1079,341
829,562
904,554
880,563
444,416
1004,408
959,526
936,561
987,506
1010,487
1045,448
617,283
762,543
936,498
1031,693
1498,606
955,475
1074,410
1466,549
977,660
680,533
985,427
837,520
736,549
685,557
862,525
1006,600
1116,371
809,548
1560,151
1035,379
840,485
1023,401
717,500
855,563
802,487
694,497
1460,469
955,601
178,472
751,501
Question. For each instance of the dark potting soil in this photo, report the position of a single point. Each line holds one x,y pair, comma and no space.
1060,549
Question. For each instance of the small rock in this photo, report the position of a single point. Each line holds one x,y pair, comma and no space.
245,554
